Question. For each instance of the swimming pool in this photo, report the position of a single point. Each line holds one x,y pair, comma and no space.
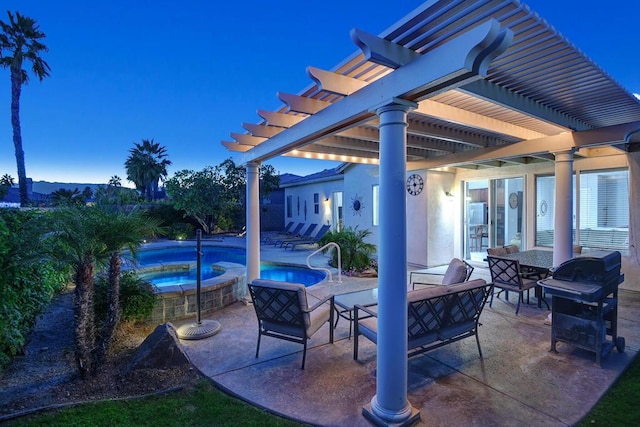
182,256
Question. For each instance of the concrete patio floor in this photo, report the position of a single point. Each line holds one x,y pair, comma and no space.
518,382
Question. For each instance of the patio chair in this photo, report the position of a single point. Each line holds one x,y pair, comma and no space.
458,271
511,249
271,240
307,234
308,241
283,312
496,251
506,275
475,238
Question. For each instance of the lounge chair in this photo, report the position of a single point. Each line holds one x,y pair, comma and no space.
308,241
284,312
271,240
304,235
270,234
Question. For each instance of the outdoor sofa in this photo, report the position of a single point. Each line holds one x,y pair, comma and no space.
437,316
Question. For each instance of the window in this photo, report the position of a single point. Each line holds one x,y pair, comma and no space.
316,203
376,203
604,210
289,206
601,208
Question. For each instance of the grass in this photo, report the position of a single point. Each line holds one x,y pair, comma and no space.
205,405
619,406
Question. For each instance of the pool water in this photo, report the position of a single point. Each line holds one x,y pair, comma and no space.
211,255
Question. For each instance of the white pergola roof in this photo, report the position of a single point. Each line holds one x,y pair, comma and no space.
539,96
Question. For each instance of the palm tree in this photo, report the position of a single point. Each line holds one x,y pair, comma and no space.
146,165
64,197
77,243
119,231
6,182
91,238
20,42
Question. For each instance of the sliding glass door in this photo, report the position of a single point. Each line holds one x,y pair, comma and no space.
493,215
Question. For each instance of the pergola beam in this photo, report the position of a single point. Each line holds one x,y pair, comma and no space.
501,96
280,119
457,62
452,114
609,135
335,83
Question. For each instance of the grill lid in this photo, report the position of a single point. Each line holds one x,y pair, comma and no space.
596,267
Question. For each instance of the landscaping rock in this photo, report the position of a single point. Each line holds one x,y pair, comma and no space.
160,350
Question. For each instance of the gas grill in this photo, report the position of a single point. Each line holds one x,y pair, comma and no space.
584,310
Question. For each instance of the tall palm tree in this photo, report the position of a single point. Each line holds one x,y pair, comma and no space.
146,166
20,42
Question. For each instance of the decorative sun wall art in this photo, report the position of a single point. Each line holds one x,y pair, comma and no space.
356,205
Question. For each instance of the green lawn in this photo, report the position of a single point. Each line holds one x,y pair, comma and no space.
619,407
205,405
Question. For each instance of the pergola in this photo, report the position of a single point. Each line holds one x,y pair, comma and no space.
454,84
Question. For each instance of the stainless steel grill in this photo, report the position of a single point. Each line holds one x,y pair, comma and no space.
584,310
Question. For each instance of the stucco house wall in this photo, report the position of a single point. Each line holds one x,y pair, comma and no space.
303,205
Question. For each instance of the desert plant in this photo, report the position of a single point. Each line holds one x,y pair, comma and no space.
356,252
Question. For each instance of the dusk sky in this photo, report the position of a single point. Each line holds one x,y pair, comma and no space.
123,71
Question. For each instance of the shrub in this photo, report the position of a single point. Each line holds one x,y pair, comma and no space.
29,277
356,253
137,297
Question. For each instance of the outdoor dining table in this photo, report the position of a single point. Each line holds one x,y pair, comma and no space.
535,259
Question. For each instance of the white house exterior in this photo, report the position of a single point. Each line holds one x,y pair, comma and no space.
491,108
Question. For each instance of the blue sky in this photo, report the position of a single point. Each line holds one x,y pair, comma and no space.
187,77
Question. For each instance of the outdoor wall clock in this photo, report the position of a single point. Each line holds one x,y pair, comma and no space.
415,184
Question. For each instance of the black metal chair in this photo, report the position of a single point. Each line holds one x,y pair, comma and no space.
283,312
506,275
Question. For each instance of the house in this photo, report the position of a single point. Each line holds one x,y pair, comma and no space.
481,125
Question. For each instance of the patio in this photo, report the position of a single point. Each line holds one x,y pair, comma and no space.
519,380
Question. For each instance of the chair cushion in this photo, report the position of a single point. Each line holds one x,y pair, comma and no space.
456,272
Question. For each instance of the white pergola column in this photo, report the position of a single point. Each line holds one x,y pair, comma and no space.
253,222
563,219
390,404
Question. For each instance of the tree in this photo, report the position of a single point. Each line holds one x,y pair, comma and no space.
200,194
6,182
215,196
90,238
64,197
146,166
114,194
118,231
20,42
